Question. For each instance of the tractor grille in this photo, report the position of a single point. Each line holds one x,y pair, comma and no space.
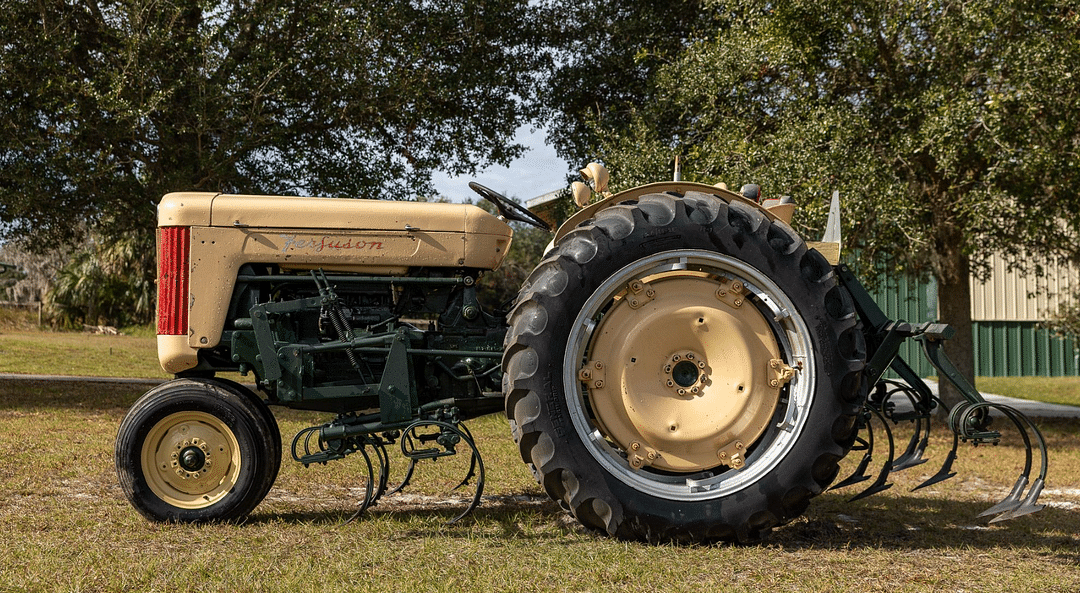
173,243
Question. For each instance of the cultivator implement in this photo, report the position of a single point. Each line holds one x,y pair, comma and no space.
436,434
969,421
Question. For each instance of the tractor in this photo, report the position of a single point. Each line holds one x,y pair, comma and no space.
680,366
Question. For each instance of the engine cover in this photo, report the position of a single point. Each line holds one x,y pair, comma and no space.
373,237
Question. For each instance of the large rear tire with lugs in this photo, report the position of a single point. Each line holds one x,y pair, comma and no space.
682,368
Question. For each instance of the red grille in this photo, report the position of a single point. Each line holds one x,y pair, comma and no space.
173,243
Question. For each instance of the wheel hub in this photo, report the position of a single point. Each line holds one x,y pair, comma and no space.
193,458
684,371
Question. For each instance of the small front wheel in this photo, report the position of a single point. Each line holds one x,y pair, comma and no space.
194,451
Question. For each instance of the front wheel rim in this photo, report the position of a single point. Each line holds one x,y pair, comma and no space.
191,460
773,431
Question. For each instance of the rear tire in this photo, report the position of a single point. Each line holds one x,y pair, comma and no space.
635,441
194,451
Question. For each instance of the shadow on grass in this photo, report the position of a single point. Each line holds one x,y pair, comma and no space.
906,523
517,516
895,523
77,395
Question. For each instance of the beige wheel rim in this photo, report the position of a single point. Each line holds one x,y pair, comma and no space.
691,371
191,459
686,374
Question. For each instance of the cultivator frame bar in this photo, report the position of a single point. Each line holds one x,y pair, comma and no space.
969,420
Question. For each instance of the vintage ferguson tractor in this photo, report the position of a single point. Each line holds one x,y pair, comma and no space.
681,365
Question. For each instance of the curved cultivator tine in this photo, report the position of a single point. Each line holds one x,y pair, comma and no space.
369,490
1016,504
1027,506
920,415
404,481
476,469
860,475
913,454
1010,502
472,461
880,484
450,434
946,468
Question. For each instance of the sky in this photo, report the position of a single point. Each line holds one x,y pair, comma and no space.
536,173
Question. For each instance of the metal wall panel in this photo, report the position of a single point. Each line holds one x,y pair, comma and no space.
1021,348
1003,347
1012,296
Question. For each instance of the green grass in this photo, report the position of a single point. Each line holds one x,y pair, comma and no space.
66,526
27,349
70,353
1054,390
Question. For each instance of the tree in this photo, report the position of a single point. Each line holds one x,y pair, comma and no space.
109,104
952,128
608,54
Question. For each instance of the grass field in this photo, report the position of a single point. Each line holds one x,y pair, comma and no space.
65,525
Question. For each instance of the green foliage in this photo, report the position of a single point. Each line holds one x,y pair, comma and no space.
610,53
1065,322
9,275
109,105
106,282
951,129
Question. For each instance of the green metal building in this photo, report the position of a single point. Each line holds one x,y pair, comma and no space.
1008,310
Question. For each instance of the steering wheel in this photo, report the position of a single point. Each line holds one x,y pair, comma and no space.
509,209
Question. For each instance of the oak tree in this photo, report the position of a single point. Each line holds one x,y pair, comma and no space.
952,129
109,104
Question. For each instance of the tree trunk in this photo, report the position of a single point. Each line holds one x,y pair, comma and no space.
954,302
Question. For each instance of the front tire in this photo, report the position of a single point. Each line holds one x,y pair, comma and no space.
193,451
683,368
